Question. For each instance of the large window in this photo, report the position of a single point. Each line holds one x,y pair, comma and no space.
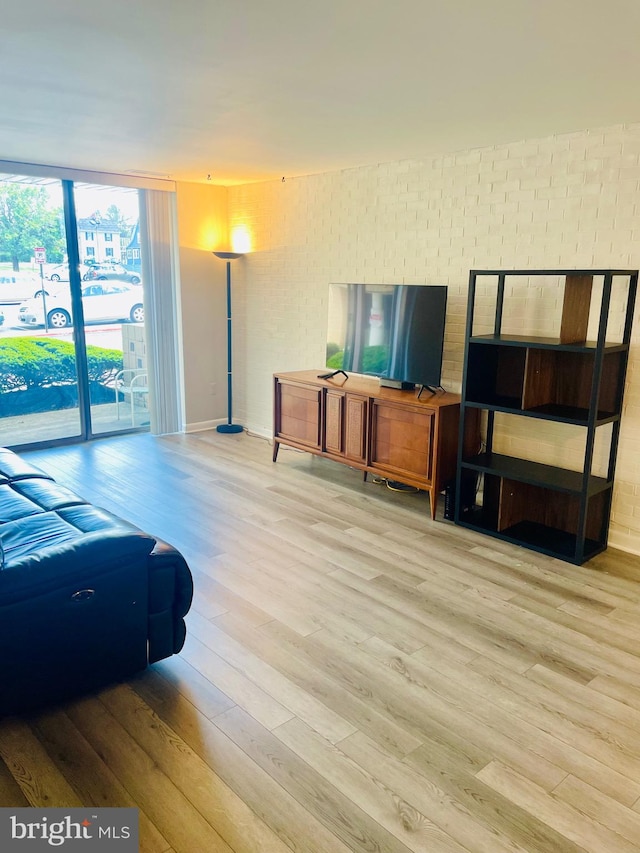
74,350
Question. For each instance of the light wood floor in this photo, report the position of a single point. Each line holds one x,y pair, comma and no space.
355,678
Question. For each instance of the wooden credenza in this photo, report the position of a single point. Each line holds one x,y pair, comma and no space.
384,431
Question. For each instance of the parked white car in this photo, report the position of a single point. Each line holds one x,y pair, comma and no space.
102,301
58,273
17,286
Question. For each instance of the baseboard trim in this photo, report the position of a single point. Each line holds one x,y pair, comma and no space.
621,543
203,426
260,432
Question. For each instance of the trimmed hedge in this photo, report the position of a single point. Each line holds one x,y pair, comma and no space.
38,374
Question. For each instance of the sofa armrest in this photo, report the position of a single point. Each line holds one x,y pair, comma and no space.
170,595
73,617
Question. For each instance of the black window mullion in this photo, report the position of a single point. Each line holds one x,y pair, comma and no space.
75,285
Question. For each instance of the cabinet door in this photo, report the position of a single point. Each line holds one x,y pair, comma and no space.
298,410
334,422
355,423
401,440
345,425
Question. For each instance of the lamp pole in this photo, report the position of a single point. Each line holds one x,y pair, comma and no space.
229,427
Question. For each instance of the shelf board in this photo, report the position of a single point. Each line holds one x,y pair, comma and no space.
550,539
498,402
535,342
538,537
551,412
569,414
508,273
536,473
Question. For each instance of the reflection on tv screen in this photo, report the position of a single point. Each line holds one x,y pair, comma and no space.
390,331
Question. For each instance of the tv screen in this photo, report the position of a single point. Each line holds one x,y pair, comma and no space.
395,332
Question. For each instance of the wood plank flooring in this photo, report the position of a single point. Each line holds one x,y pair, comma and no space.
356,677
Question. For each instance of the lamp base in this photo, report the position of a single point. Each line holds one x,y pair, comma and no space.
229,428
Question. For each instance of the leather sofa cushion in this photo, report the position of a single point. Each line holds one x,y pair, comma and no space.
45,493
14,467
15,505
28,534
40,531
88,518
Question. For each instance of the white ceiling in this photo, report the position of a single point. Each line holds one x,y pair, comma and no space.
257,89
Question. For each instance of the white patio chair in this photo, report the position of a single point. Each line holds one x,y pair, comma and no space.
133,383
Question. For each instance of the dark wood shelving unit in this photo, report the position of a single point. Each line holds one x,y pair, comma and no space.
566,379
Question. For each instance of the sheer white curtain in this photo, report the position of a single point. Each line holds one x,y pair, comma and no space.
159,274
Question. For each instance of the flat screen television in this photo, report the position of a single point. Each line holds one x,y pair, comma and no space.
392,331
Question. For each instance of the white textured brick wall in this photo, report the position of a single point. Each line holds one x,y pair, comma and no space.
568,201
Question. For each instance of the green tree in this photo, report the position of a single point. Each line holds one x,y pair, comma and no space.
27,221
114,214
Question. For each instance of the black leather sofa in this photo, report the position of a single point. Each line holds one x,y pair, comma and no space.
86,598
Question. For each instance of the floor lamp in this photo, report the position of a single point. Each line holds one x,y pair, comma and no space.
229,426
